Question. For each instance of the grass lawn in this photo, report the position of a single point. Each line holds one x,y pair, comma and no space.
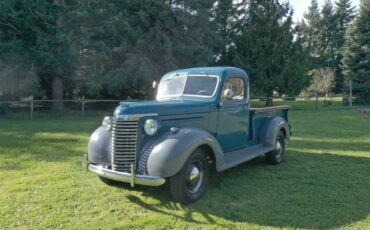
306,104
323,183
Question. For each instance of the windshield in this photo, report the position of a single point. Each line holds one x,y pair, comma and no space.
185,85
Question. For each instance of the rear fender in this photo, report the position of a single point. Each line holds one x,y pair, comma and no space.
271,128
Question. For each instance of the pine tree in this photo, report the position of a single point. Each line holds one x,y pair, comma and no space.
357,54
296,66
326,36
265,48
128,44
226,16
344,14
37,27
310,27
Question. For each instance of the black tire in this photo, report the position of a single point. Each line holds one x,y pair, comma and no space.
186,190
277,155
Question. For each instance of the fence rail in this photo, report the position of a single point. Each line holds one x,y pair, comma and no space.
30,105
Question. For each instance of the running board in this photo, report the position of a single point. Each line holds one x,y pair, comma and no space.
237,157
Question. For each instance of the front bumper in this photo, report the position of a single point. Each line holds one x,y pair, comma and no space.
126,177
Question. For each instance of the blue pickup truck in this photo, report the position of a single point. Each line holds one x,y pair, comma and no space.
200,120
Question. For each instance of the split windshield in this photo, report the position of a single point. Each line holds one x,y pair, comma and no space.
185,85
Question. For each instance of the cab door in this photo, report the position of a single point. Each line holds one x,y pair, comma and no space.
233,114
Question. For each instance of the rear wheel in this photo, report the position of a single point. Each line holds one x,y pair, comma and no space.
190,183
276,156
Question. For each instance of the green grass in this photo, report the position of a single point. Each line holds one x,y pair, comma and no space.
323,183
306,104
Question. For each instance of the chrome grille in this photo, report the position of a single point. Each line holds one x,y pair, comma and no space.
124,136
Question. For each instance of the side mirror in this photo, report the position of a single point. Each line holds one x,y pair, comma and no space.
228,94
154,84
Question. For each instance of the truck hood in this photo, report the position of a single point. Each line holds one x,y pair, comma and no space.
168,107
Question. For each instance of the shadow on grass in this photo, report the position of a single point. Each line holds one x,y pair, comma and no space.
327,146
166,205
43,139
41,148
307,191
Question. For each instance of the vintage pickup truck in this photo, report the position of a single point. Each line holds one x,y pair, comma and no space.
201,119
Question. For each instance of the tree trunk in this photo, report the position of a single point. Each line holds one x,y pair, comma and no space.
269,102
350,94
317,100
57,93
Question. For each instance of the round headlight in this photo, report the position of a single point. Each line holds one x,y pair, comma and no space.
151,127
107,122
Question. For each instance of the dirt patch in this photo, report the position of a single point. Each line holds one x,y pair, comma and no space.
366,111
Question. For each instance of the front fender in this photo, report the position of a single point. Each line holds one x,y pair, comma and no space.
169,152
271,129
100,146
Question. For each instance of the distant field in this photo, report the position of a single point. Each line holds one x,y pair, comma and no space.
323,183
305,104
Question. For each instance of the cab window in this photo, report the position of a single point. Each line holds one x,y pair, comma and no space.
233,89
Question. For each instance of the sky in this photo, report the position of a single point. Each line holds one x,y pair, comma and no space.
301,6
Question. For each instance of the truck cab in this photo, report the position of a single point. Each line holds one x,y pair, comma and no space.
200,118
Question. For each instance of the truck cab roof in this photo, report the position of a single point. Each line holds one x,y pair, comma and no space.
221,71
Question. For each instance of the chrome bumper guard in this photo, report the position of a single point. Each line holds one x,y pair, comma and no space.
126,177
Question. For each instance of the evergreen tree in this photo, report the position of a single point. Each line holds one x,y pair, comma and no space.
266,50
135,42
36,30
344,14
310,27
357,54
114,49
296,66
227,18
326,32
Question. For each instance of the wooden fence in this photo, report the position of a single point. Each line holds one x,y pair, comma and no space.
32,104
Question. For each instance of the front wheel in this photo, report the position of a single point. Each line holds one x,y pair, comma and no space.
190,183
276,156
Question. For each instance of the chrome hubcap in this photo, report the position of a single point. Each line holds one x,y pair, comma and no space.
278,148
194,177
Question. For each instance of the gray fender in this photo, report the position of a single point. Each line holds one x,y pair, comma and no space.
100,146
271,128
170,152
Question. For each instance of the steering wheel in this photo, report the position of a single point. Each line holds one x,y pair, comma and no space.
203,92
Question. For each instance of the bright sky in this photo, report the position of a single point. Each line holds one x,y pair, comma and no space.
301,6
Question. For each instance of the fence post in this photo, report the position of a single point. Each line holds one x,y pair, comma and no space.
31,107
83,106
